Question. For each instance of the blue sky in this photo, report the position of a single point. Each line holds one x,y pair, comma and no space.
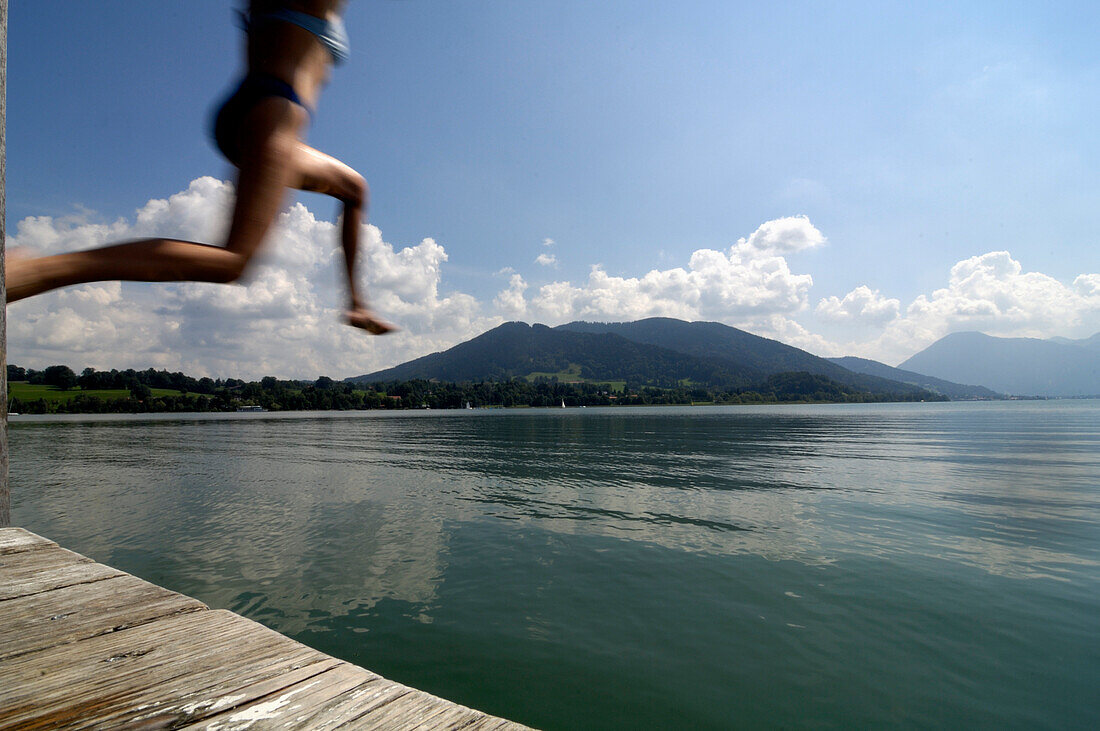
934,164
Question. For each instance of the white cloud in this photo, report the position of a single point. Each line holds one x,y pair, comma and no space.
785,236
786,330
861,305
1088,287
510,302
750,280
546,260
548,242
990,293
283,320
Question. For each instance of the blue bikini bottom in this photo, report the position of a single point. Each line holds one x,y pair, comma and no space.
230,115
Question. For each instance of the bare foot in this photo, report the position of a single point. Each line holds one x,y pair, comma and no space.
365,319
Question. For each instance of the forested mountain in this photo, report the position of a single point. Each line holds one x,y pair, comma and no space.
738,349
656,352
936,385
516,349
1017,366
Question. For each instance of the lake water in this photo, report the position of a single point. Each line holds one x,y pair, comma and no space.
708,567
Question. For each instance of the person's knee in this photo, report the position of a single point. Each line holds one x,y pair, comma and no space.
228,268
357,193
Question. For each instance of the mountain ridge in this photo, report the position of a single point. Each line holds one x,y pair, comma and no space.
1017,366
936,385
1092,342
656,351
516,349
732,345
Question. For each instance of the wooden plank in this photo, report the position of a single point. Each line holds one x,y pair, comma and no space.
87,646
299,706
47,568
171,666
492,723
457,717
395,706
454,716
405,712
431,712
348,710
40,557
13,540
199,709
215,715
77,612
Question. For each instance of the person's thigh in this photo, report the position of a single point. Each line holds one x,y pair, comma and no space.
321,173
270,164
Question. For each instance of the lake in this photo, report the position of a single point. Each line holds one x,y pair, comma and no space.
707,567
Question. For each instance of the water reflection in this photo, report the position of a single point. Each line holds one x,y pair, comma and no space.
252,512
656,568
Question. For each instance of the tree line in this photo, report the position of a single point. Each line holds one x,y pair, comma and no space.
326,394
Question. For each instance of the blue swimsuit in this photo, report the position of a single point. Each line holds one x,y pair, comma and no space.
259,86
331,34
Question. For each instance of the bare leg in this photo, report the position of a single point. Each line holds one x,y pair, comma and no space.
358,314
150,260
273,128
322,173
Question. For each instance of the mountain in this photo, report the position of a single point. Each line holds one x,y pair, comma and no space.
516,349
738,348
1092,343
658,351
1018,366
935,385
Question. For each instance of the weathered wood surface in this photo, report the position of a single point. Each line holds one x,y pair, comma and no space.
87,646
20,540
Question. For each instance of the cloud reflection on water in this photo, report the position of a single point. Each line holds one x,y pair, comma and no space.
318,517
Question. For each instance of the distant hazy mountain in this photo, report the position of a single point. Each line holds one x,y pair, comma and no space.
1017,366
935,385
1092,343
659,351
737,348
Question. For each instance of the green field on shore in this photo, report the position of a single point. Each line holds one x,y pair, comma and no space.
33,392
572,374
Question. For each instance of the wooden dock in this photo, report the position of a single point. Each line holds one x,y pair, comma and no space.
83,645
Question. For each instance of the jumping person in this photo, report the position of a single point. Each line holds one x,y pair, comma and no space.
291,46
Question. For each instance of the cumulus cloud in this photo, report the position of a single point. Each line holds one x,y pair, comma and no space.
990,293
785,236
546,260
749,281
283,320
861,305
1087,286
548,242
510,302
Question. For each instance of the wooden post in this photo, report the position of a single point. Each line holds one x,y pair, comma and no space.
5,495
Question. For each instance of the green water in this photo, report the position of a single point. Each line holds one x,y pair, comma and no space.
818,566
